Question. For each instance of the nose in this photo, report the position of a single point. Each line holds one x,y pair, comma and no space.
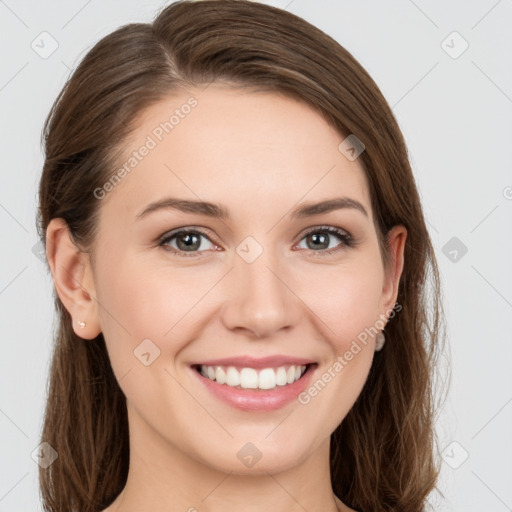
261,300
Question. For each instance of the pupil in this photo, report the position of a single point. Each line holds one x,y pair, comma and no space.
190,241
322,237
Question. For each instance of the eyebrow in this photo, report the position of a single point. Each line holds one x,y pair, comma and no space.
218,211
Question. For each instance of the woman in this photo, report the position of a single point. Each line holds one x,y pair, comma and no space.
241,267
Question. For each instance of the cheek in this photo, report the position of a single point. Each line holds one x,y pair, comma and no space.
140,312
345,298
142,301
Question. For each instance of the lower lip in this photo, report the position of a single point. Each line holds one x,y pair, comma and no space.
257,400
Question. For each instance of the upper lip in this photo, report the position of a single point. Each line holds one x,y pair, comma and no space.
255,362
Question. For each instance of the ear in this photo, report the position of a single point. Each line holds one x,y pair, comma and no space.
73,278
396,244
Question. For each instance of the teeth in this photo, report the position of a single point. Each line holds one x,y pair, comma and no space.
281,376
232,377
220,375
267,379
250,378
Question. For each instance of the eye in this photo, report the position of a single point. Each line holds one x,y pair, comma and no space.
190,241
187,241
319,239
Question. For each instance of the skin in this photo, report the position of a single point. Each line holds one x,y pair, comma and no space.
260,155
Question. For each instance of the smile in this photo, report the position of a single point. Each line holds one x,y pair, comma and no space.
251,378
252,384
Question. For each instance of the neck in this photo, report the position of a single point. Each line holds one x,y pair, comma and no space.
163,478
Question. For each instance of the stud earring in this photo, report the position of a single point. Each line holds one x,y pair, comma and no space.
81,323
379,342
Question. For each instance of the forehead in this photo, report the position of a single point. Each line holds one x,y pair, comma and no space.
229,145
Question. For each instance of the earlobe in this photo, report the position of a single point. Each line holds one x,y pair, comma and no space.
72,276
396,245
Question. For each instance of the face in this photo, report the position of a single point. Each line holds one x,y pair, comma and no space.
270,291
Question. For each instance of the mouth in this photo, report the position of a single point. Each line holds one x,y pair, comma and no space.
254,385
253,378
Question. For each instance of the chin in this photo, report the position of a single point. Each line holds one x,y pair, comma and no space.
257,455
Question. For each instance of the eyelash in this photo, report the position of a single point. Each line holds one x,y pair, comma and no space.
346,239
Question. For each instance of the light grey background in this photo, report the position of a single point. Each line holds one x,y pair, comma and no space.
456,117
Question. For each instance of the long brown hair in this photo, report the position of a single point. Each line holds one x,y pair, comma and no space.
383,455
